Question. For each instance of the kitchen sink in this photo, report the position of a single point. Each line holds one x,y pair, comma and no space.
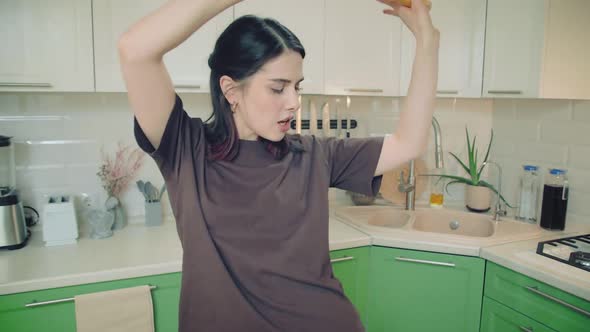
461,226
390,218
453,222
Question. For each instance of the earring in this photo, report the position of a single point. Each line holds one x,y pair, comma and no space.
233,107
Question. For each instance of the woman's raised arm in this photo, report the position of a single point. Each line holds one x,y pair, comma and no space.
141,51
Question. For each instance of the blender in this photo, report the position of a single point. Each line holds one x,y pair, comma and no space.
13,229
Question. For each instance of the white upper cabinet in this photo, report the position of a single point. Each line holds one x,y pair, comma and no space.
305,18
566,60
187,64
46,45
462,30
513,48
537,49
489,48
362,49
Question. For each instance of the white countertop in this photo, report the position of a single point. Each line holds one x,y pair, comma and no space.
343,236
129,253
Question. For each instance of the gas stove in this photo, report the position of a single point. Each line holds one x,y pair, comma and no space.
574,250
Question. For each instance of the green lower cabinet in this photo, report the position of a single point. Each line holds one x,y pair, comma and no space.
392,289
424,291
543,303
351,268
15,317
497,317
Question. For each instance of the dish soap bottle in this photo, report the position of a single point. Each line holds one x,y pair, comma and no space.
529,191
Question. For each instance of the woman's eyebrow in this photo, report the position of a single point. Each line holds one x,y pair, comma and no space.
283,80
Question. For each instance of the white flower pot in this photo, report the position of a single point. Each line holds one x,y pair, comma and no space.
477,199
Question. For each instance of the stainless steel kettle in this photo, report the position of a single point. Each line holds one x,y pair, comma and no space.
13,228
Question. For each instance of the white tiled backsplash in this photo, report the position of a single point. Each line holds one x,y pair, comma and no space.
547,133
59,135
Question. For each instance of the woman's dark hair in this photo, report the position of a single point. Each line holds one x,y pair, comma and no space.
240,51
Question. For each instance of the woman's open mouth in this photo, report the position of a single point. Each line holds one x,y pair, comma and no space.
284,124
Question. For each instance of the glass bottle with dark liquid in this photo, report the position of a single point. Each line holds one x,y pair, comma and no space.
555,196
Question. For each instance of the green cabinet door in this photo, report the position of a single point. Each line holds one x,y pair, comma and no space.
546,304
424,291
14,316
497,317
351,268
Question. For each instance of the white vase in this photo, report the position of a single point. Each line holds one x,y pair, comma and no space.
477,199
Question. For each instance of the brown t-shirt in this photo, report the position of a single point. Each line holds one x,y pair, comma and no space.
254,231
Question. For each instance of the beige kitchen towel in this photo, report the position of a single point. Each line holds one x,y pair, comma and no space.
121,310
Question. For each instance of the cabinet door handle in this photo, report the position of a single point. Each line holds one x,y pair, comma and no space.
447,92
31,85
341,259
187,86
525,329
421,261
365,90
505,92
536,290
37,304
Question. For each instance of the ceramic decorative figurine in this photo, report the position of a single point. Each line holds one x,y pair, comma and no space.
100,223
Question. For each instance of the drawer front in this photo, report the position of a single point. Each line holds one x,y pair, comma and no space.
557,309
351,268
15,316
345,265
497,317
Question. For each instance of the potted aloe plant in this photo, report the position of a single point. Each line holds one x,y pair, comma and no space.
477,190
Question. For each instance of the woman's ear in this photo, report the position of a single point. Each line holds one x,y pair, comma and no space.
229,89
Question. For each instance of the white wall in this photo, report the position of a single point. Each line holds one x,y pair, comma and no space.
548,133
59,135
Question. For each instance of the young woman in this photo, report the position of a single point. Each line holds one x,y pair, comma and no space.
250,201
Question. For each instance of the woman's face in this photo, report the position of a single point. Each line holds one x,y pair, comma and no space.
269,97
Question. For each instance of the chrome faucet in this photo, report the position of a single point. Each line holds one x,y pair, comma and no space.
409,186
498,209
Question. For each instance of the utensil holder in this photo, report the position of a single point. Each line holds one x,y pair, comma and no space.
153,213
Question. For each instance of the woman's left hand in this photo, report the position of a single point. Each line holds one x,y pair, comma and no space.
417,19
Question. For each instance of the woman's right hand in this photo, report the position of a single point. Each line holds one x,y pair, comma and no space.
417,19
